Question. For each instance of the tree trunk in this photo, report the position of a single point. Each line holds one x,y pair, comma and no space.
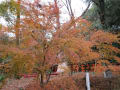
17,27
101,5
47,78
102,11
57,15
42,79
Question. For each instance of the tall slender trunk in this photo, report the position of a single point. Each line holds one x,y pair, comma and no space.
57,15
17,26
102,11
72,17
42,79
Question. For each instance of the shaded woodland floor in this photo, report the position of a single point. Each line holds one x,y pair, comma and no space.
14,84
64,82
77,82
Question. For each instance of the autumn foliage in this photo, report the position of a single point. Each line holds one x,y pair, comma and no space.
42,44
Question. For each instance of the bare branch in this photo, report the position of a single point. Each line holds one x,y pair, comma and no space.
86,9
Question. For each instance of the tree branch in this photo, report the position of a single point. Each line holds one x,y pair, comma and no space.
86,9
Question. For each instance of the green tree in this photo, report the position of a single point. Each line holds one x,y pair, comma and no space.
10,11
111,15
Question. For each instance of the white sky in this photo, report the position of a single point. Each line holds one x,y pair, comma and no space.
78,7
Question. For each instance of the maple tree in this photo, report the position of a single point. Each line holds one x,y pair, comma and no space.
39,44
35,50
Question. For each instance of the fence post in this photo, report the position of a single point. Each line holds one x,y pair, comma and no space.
87,81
